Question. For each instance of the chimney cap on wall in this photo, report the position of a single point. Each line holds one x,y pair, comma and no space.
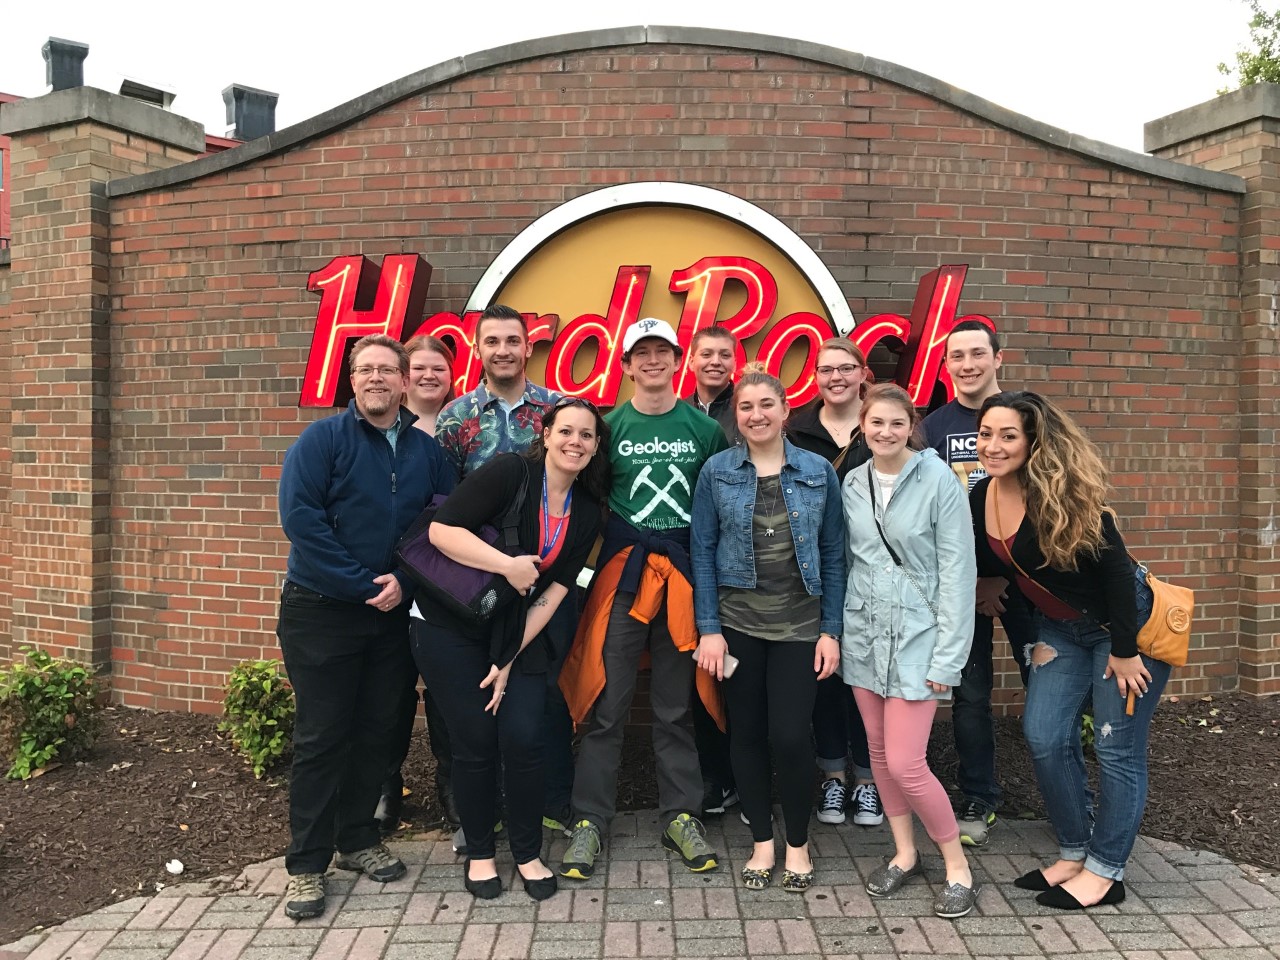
250,110
137,90
64,63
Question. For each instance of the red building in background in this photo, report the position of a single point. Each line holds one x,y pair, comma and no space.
4,179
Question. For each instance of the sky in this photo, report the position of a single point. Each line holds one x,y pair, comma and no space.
1100,68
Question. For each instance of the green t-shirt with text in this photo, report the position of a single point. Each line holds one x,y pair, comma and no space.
656,459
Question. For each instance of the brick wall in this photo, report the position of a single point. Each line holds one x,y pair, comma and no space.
1117,291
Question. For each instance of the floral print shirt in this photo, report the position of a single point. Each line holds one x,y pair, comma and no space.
477,426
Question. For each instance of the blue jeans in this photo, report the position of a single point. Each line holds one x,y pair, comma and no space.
838,734
1057,695
971,717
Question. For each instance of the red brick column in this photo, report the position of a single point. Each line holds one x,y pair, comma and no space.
65,147
1240,133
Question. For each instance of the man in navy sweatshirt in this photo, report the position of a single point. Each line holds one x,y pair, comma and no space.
973,358
350,487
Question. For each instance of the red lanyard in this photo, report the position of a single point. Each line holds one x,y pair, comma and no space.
550,544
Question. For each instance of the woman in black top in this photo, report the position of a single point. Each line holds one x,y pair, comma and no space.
829,428
490,679
1041,519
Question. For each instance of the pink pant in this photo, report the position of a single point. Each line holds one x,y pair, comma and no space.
898,736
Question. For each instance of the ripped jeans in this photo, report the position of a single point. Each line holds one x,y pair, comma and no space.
1067,666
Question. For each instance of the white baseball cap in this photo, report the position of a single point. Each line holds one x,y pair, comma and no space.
649,327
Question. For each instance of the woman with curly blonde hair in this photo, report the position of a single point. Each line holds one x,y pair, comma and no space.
1040,518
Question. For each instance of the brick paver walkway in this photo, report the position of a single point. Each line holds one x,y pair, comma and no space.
1183,904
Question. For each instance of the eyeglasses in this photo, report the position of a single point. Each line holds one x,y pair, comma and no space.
845,370
574,402
364,370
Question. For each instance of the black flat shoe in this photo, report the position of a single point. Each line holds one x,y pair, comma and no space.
542,888
489,889
1062,900
1033,881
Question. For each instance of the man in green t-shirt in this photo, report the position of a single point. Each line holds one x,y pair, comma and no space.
657,448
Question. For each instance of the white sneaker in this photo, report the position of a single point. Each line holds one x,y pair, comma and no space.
867,809
831,806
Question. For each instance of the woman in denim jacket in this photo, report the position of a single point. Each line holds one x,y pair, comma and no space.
768,569
908,625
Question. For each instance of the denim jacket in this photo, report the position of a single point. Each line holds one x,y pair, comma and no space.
721,547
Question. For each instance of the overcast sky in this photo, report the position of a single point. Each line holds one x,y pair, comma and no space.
1095,67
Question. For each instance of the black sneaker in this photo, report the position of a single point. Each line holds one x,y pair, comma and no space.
716,799
867,809
975,821
831,806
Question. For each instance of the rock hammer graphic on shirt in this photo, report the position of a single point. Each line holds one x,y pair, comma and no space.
660,495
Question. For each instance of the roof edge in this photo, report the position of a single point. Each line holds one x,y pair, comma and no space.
1233,109
397,90
77,104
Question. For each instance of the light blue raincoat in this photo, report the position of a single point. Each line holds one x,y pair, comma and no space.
893,642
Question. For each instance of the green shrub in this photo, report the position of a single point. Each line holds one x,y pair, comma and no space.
48,712
259,713
1086,731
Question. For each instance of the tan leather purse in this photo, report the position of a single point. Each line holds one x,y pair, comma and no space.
1165,634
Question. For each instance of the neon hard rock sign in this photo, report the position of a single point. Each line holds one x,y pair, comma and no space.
358,298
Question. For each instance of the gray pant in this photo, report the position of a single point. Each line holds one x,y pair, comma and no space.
595,784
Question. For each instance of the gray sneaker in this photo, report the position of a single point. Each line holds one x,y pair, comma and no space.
975,821
376,863
304,897
579,861
887,880
955,901
686,836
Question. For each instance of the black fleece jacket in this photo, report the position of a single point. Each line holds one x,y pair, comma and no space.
1101,588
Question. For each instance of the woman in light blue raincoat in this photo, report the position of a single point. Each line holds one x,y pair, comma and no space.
908,624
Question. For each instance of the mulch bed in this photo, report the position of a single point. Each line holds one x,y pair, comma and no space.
166,786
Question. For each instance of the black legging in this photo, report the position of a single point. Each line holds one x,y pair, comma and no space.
770,701
454,667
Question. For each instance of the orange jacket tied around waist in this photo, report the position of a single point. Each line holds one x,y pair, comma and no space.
582,677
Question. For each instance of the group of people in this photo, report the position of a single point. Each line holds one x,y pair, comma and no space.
805,588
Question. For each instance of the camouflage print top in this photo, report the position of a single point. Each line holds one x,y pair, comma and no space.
778,608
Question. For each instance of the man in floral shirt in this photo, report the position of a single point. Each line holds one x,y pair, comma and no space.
504,412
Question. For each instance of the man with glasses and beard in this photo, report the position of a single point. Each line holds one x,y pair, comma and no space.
349,488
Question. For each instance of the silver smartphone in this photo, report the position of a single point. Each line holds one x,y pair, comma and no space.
730,663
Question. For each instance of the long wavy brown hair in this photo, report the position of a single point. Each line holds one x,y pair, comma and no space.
1063,479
